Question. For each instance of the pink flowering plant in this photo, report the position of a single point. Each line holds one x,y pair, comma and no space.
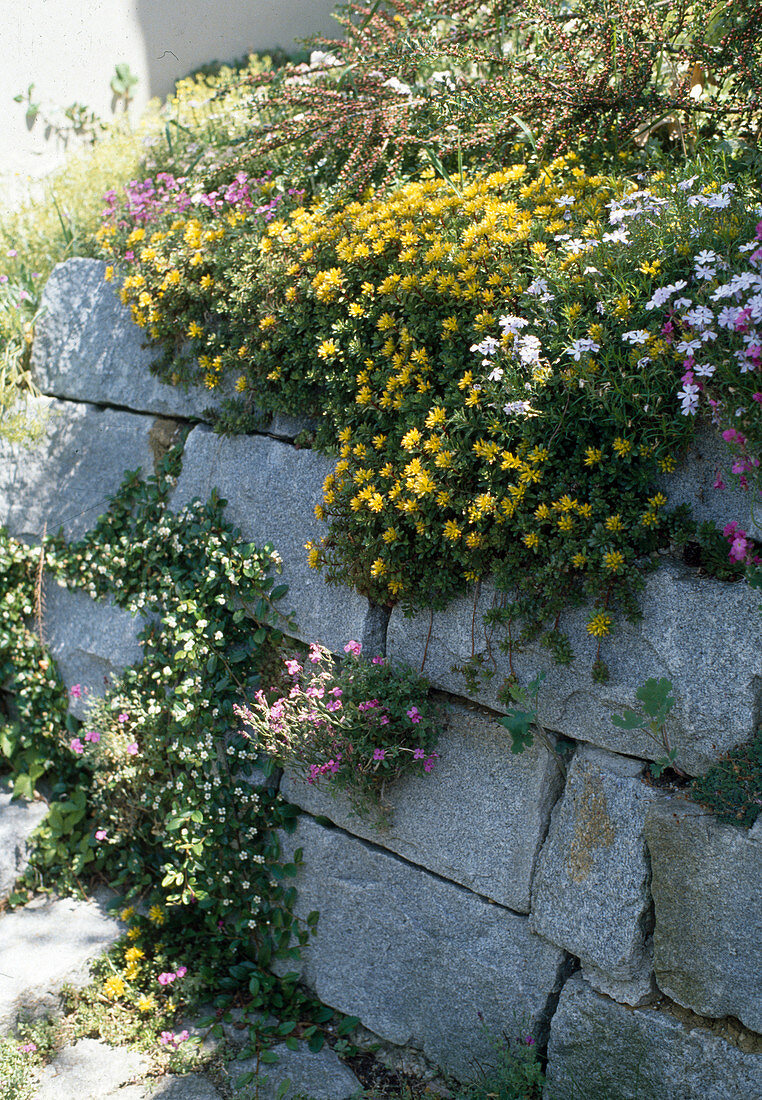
356,725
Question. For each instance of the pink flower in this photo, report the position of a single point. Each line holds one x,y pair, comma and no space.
355,648
132,748
739,548
123,717
757,397
333,705
181,971
418,754
92,735
718,482
384,720
166,1037
314,653
12,253
379,754
166,978
75,691
76,746
28,1048
181,1036
414,715
100,834
379,661
428,763
293,668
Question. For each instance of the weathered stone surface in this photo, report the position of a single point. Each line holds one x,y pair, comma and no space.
18,820
703,635
46,945
590,892
601,1050
707,882
87,348
272,489
89,1070
289,427
478,818
693,482
193,1086
418,960
321,1076
65,478
92,641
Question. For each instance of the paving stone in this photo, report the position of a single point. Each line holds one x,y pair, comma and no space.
601,1050
92,641
419,960
272,489
65,479
18,820
702,634
320,1076
707,882
693,483
193,1086
89,1070
87,348
46,945
591,890
478,818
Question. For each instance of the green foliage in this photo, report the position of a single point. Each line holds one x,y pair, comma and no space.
657,702
732,788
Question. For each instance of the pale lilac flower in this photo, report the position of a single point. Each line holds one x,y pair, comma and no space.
132,748
688,398
637,336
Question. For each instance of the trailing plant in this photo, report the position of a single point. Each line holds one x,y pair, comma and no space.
155,792
359,726
732,788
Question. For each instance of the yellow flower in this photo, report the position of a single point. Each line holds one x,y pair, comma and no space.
145,1003
378,568
614,523
128,913
410,439
600,624
667,465
593,455
240,383
389,535
579,561
613,560
328,350
451,531
435,417
133,933
114,987
108,274
132,954
156,915
622,446
195,330
531,540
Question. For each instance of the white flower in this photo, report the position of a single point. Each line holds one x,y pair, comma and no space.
704,370
581,347
619,236
704,271
488,346
495,374
637,336
688,398
686,185
397,86
687,347
508,323
514,408
566,200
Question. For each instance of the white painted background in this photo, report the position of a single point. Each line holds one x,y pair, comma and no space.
68,50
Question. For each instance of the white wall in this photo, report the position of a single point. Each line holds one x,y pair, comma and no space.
68,50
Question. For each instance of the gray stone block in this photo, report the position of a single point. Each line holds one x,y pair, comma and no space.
289,427
694,479
18,820
707,882
600,1050
590,892
478,818
272,489
87,348
91,641
321,1076
702,634
89,1070
66,477
193,1086
46,945
420,961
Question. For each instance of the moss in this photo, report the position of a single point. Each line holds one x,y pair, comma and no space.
732,789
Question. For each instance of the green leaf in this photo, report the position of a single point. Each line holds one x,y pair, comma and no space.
655,697
268,1057
316,1042
519,725
628,721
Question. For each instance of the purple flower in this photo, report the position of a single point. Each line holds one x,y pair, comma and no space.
93,735
418,754
379,754
76,746
414,715
353,647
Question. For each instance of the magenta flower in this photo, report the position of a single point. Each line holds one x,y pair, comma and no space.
293,668
166,978
28,1048
12,253
123,717
378,660
353,647
314,653
379,754
333,705
418,754
92,735
414,715
181,971
384,720
76,746
100,834
75,691
132,748
167,1037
